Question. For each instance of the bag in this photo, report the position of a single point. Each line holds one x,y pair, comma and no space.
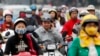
32,50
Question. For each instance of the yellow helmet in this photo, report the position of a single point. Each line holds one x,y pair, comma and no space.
88,19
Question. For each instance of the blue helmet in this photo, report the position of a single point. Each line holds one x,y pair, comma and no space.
33,7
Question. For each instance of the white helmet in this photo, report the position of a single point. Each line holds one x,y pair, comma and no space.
18,20
44,9
63,6
52,10
28,10
91,7
7,12
83,12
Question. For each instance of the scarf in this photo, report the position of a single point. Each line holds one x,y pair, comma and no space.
86,40
90,42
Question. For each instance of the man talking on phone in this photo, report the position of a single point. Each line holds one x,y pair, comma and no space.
48,32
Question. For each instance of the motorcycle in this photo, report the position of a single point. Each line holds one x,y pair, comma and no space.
52,49
24,54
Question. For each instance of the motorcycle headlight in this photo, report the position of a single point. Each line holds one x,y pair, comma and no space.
51,47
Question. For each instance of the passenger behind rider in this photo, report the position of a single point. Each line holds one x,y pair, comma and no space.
8,24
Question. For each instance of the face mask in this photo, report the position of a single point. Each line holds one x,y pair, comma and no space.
91,30
20,31
28,15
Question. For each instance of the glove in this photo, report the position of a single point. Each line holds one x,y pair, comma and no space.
64,34
68,38
75,31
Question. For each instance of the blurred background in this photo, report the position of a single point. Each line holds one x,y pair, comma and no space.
53,2
21,5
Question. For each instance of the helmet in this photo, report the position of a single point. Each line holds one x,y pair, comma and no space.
18,21
33,7
83,13
72,10
63,6
28,10
91,7
88,19
40,9
7,12
46,17
52,10
44,9
58,9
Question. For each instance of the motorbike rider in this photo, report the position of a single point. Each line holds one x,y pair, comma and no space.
68,27
34,16
21,41
22,14
47,32
88,41
91,9
77,27
8,16
31,23
83,13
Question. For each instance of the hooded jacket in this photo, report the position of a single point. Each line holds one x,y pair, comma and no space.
13,43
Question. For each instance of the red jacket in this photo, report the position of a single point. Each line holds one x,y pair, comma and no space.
7,25
68,26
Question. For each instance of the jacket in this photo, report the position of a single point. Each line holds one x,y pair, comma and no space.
76,50
31,21
7,25
37,18
52,35
68,27
14,45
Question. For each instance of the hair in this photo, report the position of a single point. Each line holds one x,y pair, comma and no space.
55,18
72,11
8,15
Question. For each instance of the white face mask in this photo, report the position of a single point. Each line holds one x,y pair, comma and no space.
28,15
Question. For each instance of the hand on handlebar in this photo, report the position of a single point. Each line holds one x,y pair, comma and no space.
60,46
68,38
42,46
